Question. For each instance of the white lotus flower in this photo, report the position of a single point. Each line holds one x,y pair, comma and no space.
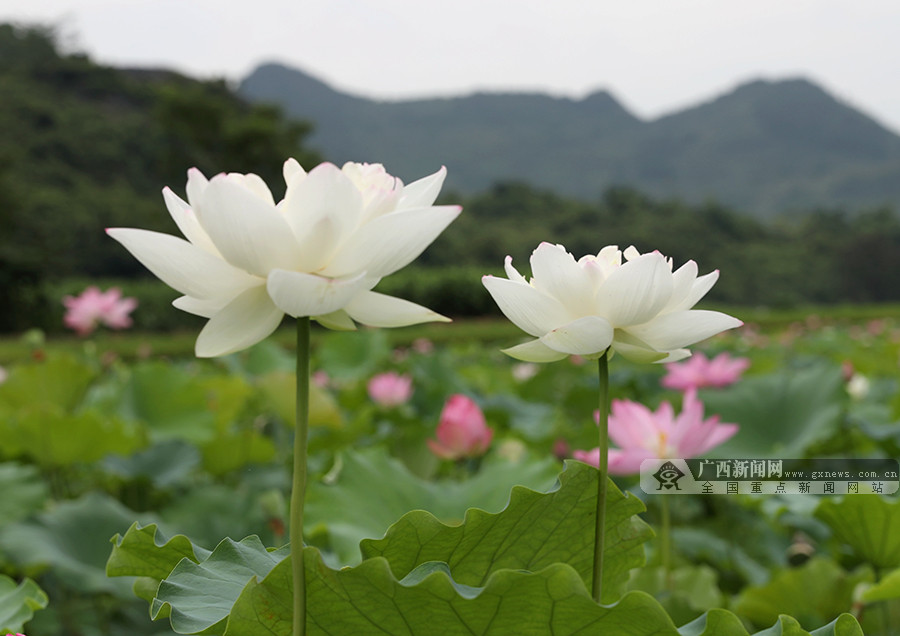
247,261
640,308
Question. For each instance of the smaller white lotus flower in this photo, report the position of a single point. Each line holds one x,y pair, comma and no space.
640,308
248,261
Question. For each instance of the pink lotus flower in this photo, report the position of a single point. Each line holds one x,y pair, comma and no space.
642,434
390,389
698,371
93,307
462,431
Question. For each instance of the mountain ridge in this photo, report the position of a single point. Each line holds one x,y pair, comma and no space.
765,147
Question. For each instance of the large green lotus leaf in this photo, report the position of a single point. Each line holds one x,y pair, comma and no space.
60,380
780,414
715,622
372,490
887,588
701,545
368,599
534,531
279,390
226,398
212,511
261,358
18,603
53,437
198,596
145,552
164,464
353,356
23,492
531,420
719,622
233,450
73,540
685,592
814,593
870,524
173,403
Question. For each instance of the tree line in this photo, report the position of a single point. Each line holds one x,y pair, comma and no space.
84,147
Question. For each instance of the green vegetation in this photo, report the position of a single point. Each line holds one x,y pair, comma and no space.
84,147
763,148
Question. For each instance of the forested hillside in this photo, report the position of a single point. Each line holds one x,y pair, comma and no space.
768,147
84,147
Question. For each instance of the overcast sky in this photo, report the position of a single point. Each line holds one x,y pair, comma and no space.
654,56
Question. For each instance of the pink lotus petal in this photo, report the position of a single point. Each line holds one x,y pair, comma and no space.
390,389
87,311
643,434
462,431
698,372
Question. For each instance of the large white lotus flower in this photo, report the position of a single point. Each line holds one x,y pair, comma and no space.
640,308
247,261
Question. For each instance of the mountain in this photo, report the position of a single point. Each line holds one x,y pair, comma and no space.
766,147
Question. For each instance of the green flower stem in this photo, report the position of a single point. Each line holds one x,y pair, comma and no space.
665,543
298,488
600,525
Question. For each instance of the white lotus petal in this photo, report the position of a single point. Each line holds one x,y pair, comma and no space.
699,289
380,310
323,209
301,294
183,266
635,349
200,307
675,356
635,292
337,320
608,260
639,354
243,322
534,351
249,232
390,242
422,193
682,282
255,184
530,309
585,336
187,222
511,272
682,328
292,170
196,186
556,273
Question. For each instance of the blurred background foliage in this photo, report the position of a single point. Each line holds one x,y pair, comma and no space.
84,147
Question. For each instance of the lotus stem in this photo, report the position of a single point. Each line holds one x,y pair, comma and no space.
298,488
603,424
665,541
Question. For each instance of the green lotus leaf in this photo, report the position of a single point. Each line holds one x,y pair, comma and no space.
72,539
818,591
870,524
534,531
372,490
368,599
18,603
23,491
781,414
